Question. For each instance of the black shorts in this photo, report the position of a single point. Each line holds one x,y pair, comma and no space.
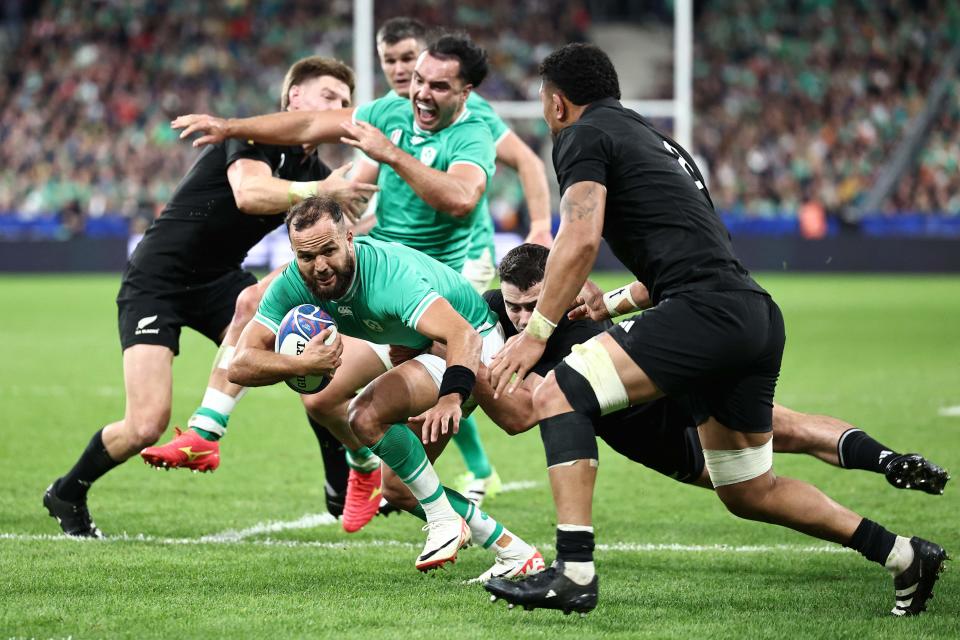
717,353
660,435
151,309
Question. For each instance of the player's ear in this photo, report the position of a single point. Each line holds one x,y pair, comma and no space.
559,105
293,96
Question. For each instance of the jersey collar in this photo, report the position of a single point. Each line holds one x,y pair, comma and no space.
603,102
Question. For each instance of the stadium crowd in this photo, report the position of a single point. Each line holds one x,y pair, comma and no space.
801,101
795,101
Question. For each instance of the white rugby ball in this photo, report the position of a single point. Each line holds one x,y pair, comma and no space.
296,329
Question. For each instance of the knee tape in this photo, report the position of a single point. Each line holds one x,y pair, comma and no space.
738,465
567,438
593,362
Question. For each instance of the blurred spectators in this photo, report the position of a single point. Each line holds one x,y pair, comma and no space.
800,101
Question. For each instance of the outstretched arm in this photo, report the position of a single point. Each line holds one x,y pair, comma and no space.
455,191
288,127
571,259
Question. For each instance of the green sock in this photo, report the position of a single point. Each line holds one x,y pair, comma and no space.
401,450
484,529
474,456
362,460
210,419
203,415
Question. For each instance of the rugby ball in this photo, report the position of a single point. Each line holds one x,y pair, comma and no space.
297,327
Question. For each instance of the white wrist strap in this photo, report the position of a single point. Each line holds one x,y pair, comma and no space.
613,299
301,191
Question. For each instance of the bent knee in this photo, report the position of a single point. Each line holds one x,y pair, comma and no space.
365,420
144,432
246,305
329,403
549,399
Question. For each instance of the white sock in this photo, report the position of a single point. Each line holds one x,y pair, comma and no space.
901,556
429,493
221,404
363,463
516,548
580,572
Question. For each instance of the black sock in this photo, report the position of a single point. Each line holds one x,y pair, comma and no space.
872,541
334,457
857,450
93,463
575,546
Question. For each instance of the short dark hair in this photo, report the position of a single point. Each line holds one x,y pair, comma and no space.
523,266
310,211
401,28
314,67
583,72
458,45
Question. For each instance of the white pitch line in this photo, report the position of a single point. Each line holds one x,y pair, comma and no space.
519,485
308,521
346,545
950,412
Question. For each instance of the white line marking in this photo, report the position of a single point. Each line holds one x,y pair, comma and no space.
950,412
308,521
346,545
519,485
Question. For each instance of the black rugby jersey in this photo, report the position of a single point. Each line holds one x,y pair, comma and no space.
659,219
561,341
201,234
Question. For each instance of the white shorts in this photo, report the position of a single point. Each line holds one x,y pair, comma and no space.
437,366
480,272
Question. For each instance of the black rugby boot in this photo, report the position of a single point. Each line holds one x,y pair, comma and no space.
547,590
74,517
913,471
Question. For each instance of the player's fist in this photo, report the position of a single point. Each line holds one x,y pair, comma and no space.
320,358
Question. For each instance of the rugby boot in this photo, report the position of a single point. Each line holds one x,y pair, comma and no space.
913,471
510,565
549,589
444,539
386,509
914,586
187,450
73,517
363,499
477,489
334,500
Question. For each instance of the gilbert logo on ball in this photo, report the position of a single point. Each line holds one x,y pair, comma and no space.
296,329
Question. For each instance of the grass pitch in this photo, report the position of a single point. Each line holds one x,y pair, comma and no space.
246,551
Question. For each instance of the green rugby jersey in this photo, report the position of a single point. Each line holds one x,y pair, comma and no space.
401,215
392,288
482,235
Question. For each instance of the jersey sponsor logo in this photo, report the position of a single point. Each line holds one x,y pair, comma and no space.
395,136
373,325
428,155
627,325
283,158
344,310
417,139
145,322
